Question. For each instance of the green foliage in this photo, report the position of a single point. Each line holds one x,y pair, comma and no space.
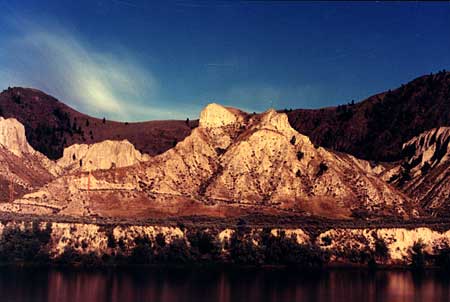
285,250
293,140
142,253
442,258
27,245
176,252
425,168
322,169
381,249
326,240
111,239
160,240
417,256
204,244
244,251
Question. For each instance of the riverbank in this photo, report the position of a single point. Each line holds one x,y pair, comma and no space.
309,246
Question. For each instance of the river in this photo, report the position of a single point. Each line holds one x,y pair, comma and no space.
23,285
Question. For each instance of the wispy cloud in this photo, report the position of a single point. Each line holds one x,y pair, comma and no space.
98,82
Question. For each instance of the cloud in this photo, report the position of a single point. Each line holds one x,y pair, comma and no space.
108,83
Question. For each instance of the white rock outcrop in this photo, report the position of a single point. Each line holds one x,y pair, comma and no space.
215,115
12,137
101,156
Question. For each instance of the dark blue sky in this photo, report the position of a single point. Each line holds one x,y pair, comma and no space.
135,60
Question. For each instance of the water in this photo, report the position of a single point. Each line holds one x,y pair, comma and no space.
17,285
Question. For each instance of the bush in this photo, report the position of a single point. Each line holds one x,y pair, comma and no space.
443,258
417,256
111,239
160,240
244,251
204,244
381,249
69,257
29,245
293,140
322,169
142,253
175,252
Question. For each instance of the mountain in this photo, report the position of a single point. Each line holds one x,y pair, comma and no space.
51,125
376,128
233,163
424,171
22,169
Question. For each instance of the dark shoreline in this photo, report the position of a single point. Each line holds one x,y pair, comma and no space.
251,221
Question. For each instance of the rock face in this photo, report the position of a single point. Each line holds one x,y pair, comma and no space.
12,137
232,163
424,172
100,156
215,115
22,169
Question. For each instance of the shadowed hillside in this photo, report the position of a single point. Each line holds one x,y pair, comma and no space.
373,129
51,125
376,128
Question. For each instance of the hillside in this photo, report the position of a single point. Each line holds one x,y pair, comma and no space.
373,129
233,163
376,128
424,171
51,125
22,169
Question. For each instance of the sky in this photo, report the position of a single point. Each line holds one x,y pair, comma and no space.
144,60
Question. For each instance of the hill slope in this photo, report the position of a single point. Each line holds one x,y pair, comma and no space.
232,163
51,125
22,169
373,129
376,128
424,173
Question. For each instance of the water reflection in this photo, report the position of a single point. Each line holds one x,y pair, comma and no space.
17,285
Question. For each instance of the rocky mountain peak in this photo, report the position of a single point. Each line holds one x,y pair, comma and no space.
101,156
215,115
276,121
12,137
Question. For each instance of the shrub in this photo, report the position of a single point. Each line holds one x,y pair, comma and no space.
381,249
322,168
243,250
69,257
326,240
175,252
111,239
29,245
425,168
142,253
443,258
204,244
160,240
293,140
417,256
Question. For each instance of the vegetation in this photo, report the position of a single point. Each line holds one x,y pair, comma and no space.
30,243
322,169
417,256
293,140
27,245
